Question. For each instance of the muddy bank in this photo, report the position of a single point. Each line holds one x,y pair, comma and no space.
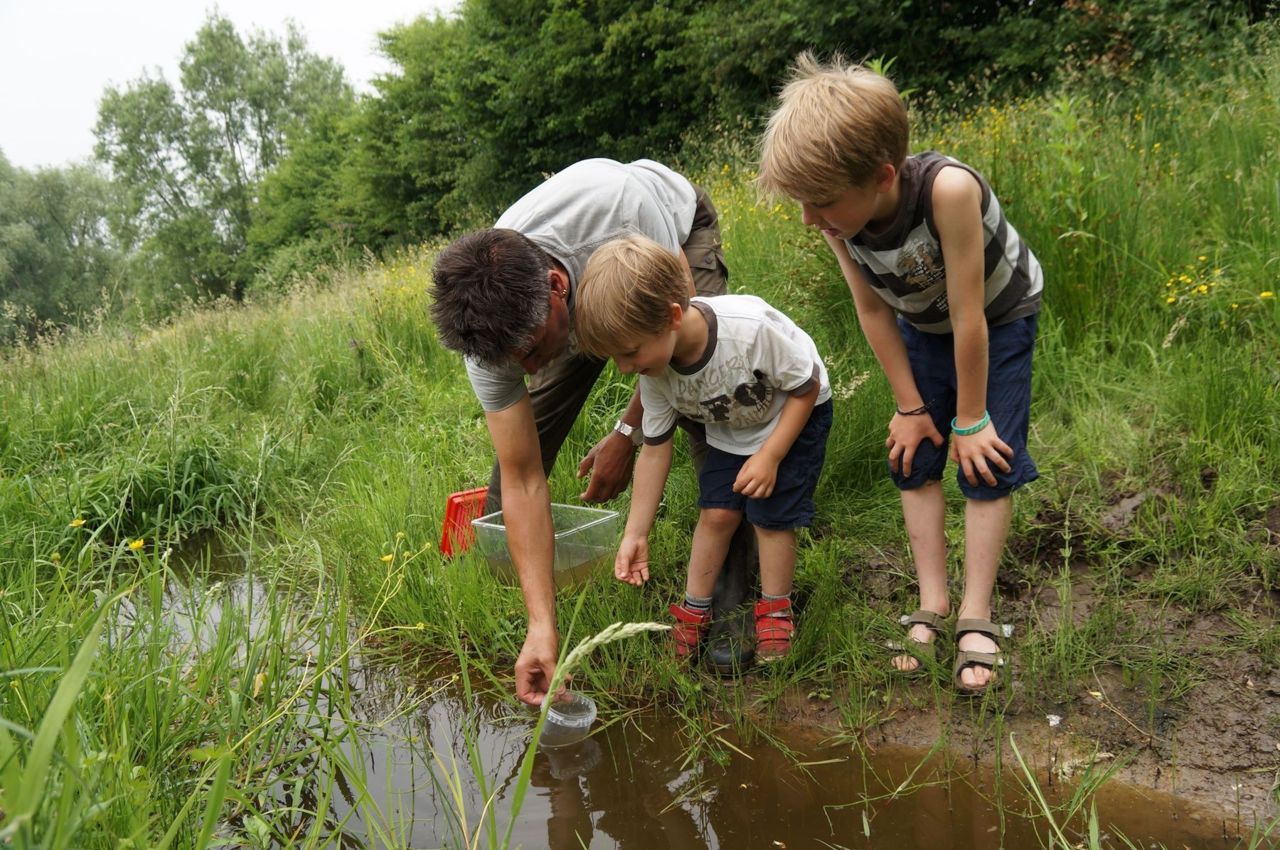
1192,707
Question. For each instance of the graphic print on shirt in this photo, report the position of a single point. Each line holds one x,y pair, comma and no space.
749,404
920,265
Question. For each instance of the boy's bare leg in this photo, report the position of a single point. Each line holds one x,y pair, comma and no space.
777,560
924,512
986,527
710,543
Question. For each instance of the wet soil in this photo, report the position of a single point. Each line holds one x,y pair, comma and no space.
1213,739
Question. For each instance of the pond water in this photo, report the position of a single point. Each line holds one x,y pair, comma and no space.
631,784
440,769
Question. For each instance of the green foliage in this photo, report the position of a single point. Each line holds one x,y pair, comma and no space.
190,159
484,104
57,262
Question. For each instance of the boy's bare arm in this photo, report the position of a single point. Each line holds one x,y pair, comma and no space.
632,562
759,474
651,477
880,327
957,214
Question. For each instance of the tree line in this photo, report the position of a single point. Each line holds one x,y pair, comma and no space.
259,162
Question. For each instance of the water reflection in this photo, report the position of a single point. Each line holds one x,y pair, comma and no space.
630,785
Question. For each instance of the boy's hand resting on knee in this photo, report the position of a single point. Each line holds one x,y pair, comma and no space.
976,453
905,435
632,562
757,477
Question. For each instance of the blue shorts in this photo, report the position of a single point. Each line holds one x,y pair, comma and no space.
933,365
791,503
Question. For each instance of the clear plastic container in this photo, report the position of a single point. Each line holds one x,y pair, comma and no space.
569,720
586,540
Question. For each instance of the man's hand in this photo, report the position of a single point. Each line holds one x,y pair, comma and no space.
632,562
977,452
757,477
536,664
609,463
905,435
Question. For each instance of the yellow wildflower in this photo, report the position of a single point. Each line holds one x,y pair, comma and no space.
1266,293
1172,299
386,559
1202,258
1202,289
135,545
77,522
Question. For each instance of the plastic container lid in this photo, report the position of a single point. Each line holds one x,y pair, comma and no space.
569,720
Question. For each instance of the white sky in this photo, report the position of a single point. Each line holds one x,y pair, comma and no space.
57,56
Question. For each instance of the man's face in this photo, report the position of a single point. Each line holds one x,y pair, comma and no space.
550,339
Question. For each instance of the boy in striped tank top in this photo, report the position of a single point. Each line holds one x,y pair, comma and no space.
947,294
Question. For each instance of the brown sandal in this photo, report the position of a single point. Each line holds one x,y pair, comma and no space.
924,652
971,658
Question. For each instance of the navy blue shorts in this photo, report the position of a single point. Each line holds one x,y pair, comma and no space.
933,365
791,503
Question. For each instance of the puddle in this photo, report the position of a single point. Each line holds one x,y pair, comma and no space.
430,767
629,785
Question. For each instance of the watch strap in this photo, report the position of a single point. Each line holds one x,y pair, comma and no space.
632,433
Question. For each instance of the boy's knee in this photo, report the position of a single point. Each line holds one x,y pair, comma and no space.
720,520
926,467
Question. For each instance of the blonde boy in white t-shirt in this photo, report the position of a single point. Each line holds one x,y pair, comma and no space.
754,380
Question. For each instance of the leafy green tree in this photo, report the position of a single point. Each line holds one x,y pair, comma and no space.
402,178
190,159
547,82
57,259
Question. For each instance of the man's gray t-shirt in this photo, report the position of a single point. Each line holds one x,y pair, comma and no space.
573,213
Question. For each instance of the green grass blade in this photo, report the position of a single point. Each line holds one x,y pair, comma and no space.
36,771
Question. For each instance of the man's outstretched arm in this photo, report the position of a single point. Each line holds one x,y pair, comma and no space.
526,509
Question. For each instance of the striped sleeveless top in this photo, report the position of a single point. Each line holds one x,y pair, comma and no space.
904,265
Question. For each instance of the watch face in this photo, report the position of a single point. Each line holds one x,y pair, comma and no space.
630,432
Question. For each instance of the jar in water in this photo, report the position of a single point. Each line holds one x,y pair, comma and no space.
569,720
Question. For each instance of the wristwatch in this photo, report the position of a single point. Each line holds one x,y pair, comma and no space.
631,432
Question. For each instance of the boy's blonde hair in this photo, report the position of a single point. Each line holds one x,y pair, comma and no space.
834,126
626,293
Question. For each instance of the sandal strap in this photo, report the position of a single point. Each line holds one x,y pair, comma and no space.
684,614
982,627
923,617
765,607
774,628
972,658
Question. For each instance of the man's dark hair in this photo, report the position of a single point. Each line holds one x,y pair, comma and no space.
490,295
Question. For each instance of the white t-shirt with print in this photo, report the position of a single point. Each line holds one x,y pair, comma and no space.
755,358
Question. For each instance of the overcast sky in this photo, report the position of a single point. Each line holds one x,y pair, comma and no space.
57,56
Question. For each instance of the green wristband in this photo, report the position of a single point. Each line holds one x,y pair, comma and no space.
972,429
